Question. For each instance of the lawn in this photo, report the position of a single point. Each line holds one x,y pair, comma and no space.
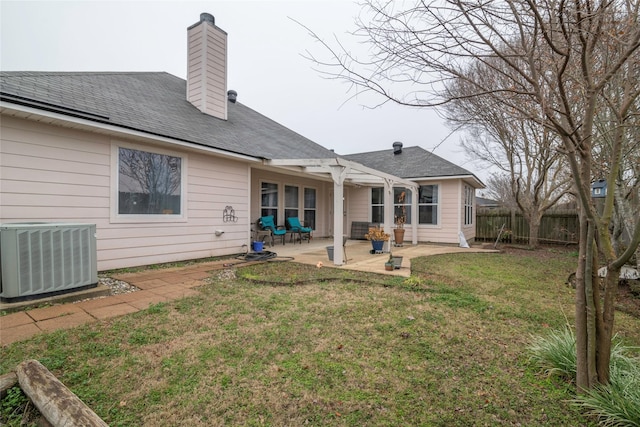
291,344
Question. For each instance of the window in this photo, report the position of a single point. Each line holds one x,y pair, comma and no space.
149,183
269,200
377,205
401,204
469,195
310,208
290,201
428,205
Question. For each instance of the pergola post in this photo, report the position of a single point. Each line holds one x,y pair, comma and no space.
389,212
415,194
338,174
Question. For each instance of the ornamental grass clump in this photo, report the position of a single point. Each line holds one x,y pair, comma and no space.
614,404
377,234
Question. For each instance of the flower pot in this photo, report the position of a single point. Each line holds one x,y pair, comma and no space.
388,266
330,252
377,245
398,234
397,262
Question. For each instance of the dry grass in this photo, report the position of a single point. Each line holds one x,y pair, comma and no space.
445,347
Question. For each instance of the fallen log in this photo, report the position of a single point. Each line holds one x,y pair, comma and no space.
59,405
7,381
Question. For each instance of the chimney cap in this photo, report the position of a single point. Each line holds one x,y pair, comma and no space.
397,147
232,95
207,17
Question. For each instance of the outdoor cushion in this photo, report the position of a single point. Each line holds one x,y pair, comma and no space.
267,223
295,225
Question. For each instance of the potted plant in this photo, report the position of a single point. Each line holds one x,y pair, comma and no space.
400,220
389,266
377,237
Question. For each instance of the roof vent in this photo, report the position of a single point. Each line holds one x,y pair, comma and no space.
232,95
397,147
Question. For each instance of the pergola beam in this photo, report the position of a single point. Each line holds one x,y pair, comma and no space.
340,171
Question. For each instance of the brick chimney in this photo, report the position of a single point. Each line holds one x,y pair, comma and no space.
207,67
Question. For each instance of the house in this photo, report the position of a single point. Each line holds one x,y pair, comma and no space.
484,203
170,170
599,189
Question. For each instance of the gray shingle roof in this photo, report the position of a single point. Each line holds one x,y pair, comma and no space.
155,102
412,162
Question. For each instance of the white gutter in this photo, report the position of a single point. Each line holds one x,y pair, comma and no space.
443,178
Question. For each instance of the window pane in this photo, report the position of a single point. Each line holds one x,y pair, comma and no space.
397,212
288,213
377,214
309,198
428,214
310,208
428,194
310,219
148,183
269,195
269,211
377,196
290,196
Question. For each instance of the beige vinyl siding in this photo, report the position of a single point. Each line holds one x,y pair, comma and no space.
359,204
53,174
50,174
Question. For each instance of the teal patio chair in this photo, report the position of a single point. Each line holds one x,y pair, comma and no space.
267,223
295,227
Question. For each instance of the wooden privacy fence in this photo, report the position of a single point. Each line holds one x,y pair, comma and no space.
559,227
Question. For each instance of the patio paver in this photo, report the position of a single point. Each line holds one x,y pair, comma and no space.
18,333
14,319
40,314
65,322
121,309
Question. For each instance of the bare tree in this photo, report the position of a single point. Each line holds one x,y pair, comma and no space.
565,58
524,150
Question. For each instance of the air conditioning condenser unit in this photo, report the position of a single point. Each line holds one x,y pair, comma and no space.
38,260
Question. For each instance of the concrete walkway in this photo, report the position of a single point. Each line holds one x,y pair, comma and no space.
168,284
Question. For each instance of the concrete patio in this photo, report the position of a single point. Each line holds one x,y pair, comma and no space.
162,285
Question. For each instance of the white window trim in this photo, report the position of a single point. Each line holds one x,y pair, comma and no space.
304,208
378,204
284,200
280,198
439,205
117,218
470,191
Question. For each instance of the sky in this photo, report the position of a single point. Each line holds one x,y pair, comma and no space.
266,62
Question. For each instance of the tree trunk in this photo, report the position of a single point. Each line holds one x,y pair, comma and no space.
582,376
534,230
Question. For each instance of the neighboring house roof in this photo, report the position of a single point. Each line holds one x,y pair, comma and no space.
487,203
155,103
411,163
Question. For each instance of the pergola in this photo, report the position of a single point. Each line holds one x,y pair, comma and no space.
342,172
